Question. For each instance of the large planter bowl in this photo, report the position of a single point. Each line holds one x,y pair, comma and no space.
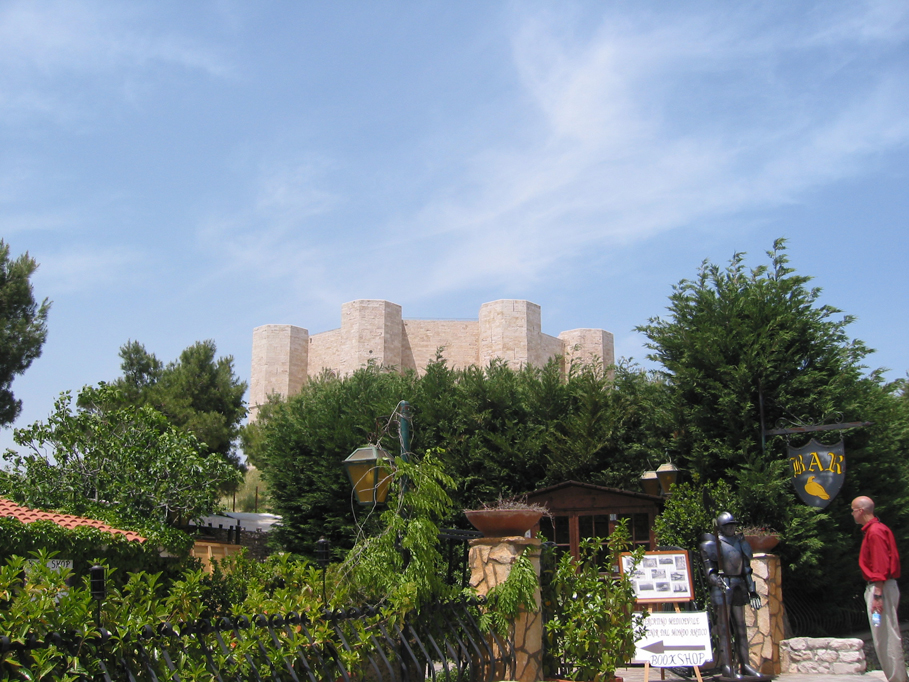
501,523
762,543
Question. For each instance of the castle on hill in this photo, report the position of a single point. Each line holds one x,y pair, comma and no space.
285,356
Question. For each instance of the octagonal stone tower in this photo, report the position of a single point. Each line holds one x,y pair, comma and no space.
285,356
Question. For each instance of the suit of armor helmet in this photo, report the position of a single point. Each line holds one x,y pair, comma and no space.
727,563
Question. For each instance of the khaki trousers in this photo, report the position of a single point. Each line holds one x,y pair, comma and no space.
886,636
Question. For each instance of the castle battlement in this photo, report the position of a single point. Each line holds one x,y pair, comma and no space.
285,356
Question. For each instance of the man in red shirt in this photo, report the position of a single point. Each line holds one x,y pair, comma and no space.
880,564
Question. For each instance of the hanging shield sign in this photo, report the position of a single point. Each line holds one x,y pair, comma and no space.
818,472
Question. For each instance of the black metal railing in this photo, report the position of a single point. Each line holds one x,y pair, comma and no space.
442,643
455,546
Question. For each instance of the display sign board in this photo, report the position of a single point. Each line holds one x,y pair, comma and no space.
660,577
675,640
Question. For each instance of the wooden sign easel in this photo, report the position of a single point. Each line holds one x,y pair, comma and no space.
697,668
663,577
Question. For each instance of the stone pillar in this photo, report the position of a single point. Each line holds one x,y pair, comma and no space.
586,346
510,330
280,355
371,331
765,626
490,563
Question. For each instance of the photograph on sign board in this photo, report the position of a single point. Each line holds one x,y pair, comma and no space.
662,576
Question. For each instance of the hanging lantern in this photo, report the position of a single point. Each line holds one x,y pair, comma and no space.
667,474
369,470
650,483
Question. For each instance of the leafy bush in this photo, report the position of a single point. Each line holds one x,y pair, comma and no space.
592,628
685,517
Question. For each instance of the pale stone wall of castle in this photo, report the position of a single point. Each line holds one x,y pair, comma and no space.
509,330
458,339
586,346
325,352
549,347
374,331
279,362
371,331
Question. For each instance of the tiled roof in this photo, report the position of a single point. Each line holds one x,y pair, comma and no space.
26,515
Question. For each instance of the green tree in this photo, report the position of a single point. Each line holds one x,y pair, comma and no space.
735,337
305,440
198,392
129,462
500,432
23,327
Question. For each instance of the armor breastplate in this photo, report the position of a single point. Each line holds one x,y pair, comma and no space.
733,557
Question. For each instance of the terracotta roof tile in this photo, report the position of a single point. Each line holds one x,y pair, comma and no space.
26,515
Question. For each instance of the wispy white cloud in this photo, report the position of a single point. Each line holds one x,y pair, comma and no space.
272,238
50,51
85,269
648,126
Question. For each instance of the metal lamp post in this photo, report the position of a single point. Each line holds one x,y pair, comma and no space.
323,548
98,588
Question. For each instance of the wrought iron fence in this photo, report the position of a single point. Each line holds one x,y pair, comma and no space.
455,548
442,643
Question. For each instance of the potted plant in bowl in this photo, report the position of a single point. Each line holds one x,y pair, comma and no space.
506,517
761,538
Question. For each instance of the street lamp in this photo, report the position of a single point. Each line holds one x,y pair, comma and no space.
98,588
369,467
370,474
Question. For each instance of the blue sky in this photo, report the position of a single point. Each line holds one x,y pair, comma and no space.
185,171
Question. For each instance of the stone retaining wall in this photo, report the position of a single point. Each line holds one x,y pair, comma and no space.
822,655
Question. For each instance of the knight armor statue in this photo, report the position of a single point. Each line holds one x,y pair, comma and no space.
727,563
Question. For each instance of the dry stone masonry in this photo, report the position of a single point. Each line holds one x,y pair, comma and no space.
766,625
812,655
491,560
285,356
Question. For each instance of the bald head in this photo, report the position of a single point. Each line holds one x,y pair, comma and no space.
862,510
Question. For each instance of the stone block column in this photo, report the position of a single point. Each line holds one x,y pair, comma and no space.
280,355
491,560
371,331
510,330
765,626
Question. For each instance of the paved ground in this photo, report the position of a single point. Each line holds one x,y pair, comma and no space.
636,674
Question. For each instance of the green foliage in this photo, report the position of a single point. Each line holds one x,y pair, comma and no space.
734,336
251,495
504,432
506,601
36,600
402,566
304,442
198,393
592,628
128,463
685,517
84,544
23,326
